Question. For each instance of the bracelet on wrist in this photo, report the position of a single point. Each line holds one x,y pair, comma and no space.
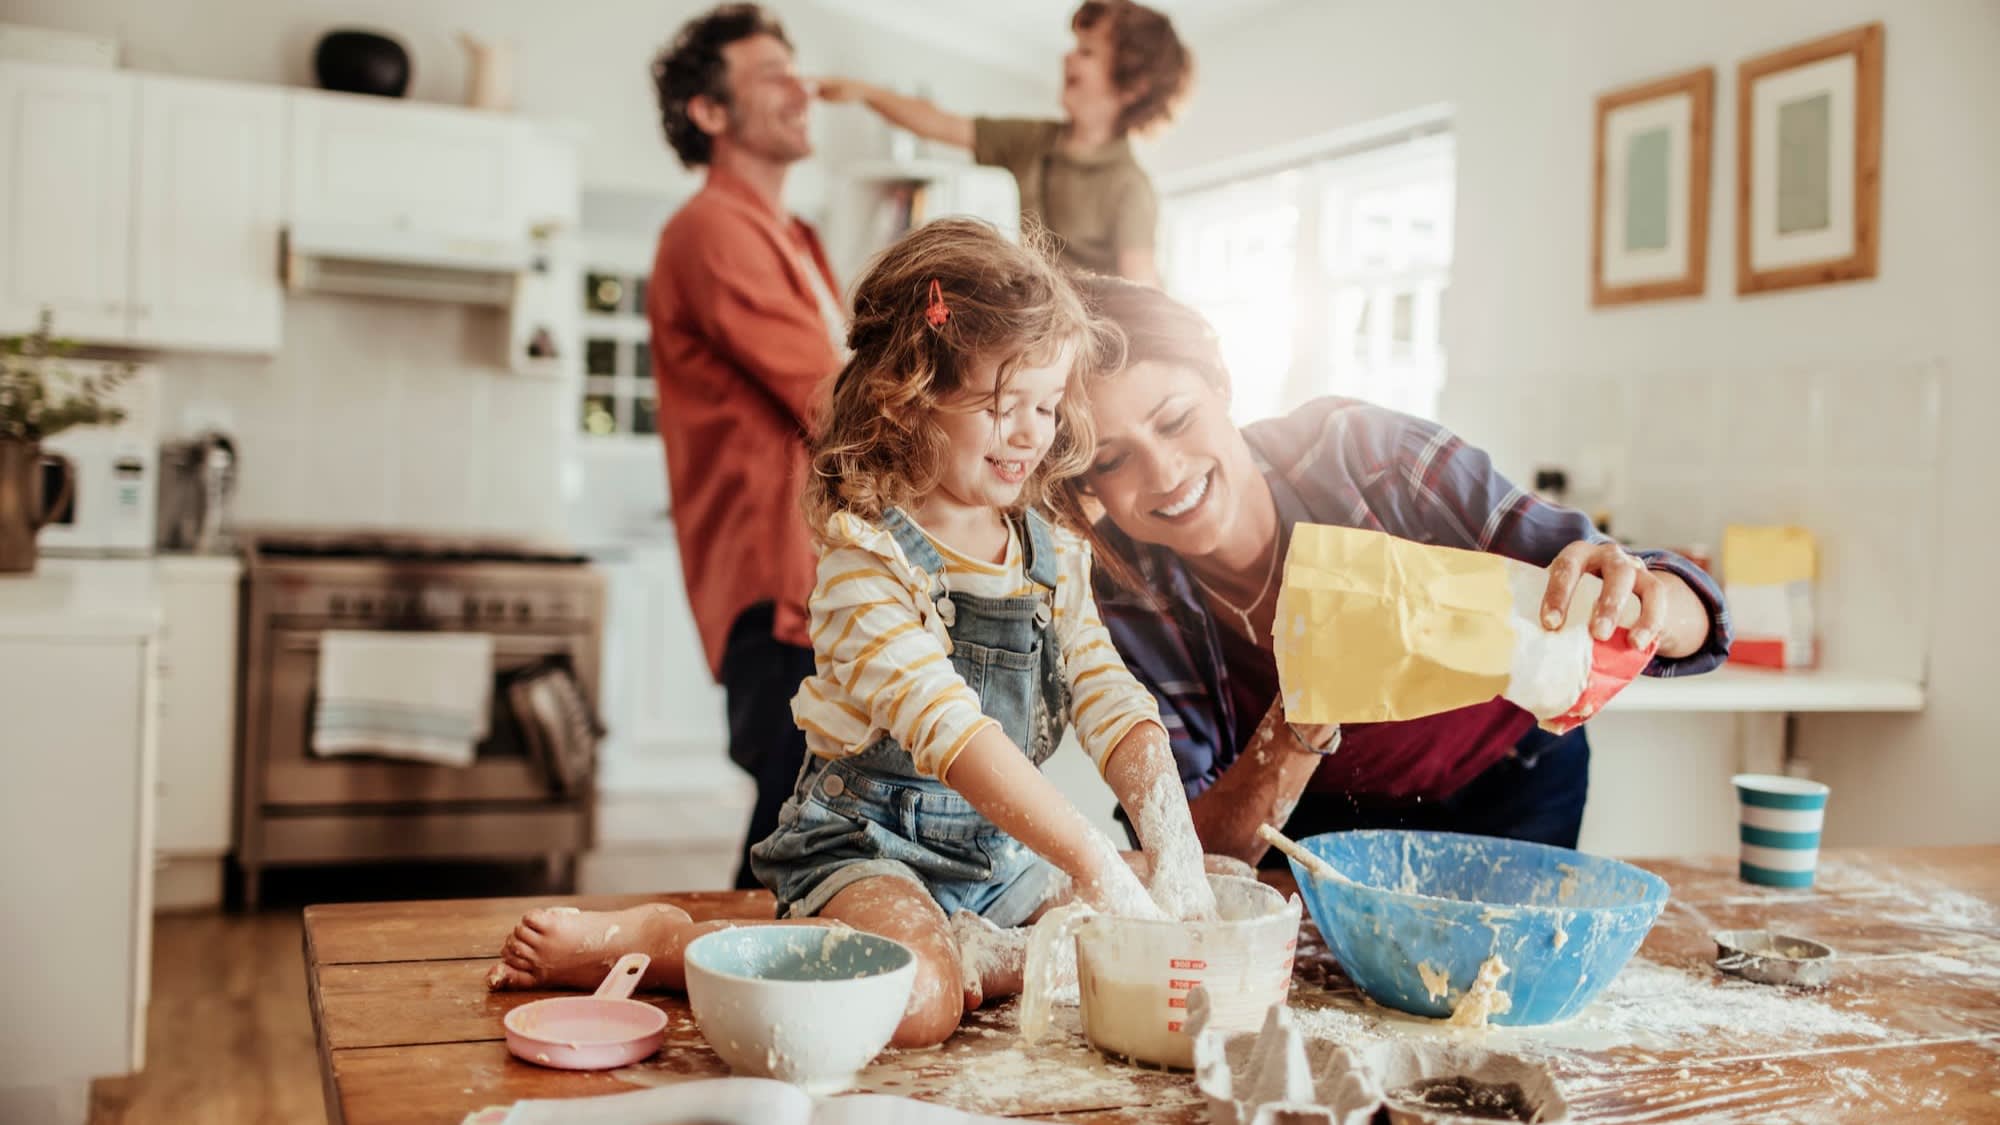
1332,744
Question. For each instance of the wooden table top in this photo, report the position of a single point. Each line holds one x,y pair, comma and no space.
1908,1030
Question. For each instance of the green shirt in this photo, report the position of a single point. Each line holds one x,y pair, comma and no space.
1096,203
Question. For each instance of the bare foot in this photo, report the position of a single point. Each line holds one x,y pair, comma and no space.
563,947
992,960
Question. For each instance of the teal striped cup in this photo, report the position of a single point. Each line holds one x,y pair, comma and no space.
1780,823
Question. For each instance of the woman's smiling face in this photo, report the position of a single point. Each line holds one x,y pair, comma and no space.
1171,468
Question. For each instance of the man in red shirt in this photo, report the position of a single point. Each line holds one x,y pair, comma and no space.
745,327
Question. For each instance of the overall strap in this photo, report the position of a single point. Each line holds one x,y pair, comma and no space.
924,556
1041,551
915,544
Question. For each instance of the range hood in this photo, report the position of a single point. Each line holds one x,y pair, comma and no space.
406,264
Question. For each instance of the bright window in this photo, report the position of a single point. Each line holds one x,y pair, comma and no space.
1327,277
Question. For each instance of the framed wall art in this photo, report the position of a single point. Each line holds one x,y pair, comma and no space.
1809,163
1650,235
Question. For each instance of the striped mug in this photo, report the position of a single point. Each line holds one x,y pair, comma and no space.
1780,825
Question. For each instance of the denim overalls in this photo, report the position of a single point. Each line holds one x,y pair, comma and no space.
873,814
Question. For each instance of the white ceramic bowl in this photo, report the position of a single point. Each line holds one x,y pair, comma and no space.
810,1005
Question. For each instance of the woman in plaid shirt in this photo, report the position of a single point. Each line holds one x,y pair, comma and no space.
1196,517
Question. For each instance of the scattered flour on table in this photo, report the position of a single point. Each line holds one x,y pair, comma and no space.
1648,1006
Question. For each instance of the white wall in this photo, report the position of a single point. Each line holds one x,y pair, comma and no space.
398,414
1532,365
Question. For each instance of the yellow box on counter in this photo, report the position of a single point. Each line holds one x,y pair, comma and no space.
1768,575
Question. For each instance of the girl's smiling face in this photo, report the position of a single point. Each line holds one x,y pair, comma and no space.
997,441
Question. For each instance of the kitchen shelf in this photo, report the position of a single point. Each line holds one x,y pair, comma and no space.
1745,689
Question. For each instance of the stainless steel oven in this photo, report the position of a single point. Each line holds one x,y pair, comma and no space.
538,604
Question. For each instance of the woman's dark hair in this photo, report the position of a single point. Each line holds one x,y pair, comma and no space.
692,66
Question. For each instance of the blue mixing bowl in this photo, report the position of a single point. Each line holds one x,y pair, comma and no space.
1424,910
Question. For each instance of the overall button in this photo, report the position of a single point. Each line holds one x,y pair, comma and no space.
832,786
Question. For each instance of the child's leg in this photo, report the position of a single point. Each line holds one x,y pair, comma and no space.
562,947
900,909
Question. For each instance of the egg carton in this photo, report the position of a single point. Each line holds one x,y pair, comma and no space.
1277,1076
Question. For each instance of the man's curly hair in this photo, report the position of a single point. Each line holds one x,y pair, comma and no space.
692,66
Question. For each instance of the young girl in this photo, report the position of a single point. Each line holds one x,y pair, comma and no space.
954,637
1127,75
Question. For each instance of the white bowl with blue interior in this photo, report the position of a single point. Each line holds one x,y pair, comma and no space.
809,1005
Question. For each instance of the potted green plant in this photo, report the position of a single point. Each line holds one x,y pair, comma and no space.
41,397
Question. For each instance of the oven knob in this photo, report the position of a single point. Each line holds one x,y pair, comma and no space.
523,611
363,607
496,607
471,608
337,604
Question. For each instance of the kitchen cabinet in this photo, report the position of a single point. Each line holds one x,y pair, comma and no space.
140,210
362,162
66,199
209,205
77,689
659,699
197,739
671,807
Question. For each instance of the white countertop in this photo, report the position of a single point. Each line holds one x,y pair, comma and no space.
1733,688
106,598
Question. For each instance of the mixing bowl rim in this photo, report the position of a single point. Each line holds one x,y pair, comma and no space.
1658,891
907,964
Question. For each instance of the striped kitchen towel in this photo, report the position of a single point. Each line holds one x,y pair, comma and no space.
425,697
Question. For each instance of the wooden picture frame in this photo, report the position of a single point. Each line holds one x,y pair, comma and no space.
1649,230
1809,163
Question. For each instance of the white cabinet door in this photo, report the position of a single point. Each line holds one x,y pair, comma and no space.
197,705
660,698
75,856
65,199
209,204
361,162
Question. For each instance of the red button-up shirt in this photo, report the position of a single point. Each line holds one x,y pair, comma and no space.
740,353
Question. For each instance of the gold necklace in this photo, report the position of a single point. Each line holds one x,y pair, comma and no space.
1249,628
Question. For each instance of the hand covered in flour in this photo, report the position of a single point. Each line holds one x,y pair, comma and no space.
1180,882
1141,771
1108,884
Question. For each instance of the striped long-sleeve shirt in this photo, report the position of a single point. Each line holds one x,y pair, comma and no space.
881,665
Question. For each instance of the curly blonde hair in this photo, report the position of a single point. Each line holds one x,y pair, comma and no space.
879,444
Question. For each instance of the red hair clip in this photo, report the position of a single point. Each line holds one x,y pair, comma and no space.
937,312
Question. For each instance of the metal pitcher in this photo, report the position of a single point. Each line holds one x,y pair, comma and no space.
23,506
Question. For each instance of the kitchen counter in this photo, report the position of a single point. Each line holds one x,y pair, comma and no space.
74,598
99,597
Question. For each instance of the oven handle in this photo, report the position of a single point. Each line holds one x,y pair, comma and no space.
504,644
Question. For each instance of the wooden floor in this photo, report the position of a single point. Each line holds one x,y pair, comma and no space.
229,1035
